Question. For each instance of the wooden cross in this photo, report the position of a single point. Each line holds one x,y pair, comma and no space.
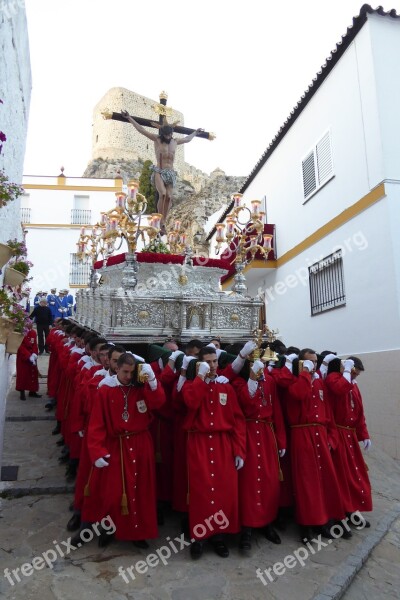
163,111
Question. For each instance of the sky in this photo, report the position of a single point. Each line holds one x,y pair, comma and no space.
236,68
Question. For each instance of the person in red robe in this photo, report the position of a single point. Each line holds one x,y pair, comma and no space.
216,449
27,371
316,488
259,480
347,407
121,447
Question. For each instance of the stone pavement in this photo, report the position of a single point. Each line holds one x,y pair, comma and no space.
34,512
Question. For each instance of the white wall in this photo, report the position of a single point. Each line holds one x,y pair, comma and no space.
15,90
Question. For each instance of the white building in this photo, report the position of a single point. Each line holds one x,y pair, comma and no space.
332,181
53,211
15,93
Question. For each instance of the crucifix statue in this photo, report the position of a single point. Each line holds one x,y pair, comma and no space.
164,175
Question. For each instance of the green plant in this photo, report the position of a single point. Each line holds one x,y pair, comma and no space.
18,316
23,266
146,188
18,248
157,247
5,304
8,191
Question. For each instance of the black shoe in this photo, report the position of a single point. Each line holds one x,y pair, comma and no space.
141,544
71,507
271,534
359,523
34,395
280,523
64,458
325,531
105,539
221,549
60,442
22,395
57,429
74,523
77,541
347,534
185,526
196,549
70,474
160,516
306,534
245,542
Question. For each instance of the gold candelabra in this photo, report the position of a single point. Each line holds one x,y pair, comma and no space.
245,238
265,335
123,222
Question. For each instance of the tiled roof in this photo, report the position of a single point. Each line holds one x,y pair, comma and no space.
326,68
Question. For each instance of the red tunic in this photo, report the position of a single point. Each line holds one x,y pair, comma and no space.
348,411
259,484
128,442
315,484
27,373
216,434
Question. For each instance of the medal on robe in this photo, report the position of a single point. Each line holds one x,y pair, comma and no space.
321,395
141,406
125,414
351,400
223,398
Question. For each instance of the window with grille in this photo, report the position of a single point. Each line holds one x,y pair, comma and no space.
79,271
327,284
317,166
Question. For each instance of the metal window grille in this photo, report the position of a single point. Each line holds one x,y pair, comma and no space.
80,216
327,284
25,215
79,271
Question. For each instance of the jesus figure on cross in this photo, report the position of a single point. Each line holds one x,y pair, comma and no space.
164,175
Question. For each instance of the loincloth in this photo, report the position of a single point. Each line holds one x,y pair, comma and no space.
167,175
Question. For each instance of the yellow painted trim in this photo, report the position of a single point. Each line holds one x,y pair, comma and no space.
55,226
74,285
71,188
349,213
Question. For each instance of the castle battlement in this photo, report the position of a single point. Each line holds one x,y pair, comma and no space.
117,140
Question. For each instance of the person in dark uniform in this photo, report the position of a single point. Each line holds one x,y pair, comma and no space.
43,319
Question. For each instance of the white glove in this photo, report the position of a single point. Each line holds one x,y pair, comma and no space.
327,359
81,434
282,452
174,355
187,360
367,445
348,365
239,462
309,365
180,383
33,358
219,352
221,379
100,462
204,369
147,370
323,370
212,346
291,357
248,348
257,365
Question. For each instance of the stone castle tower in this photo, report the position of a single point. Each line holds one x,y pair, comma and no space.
113,140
